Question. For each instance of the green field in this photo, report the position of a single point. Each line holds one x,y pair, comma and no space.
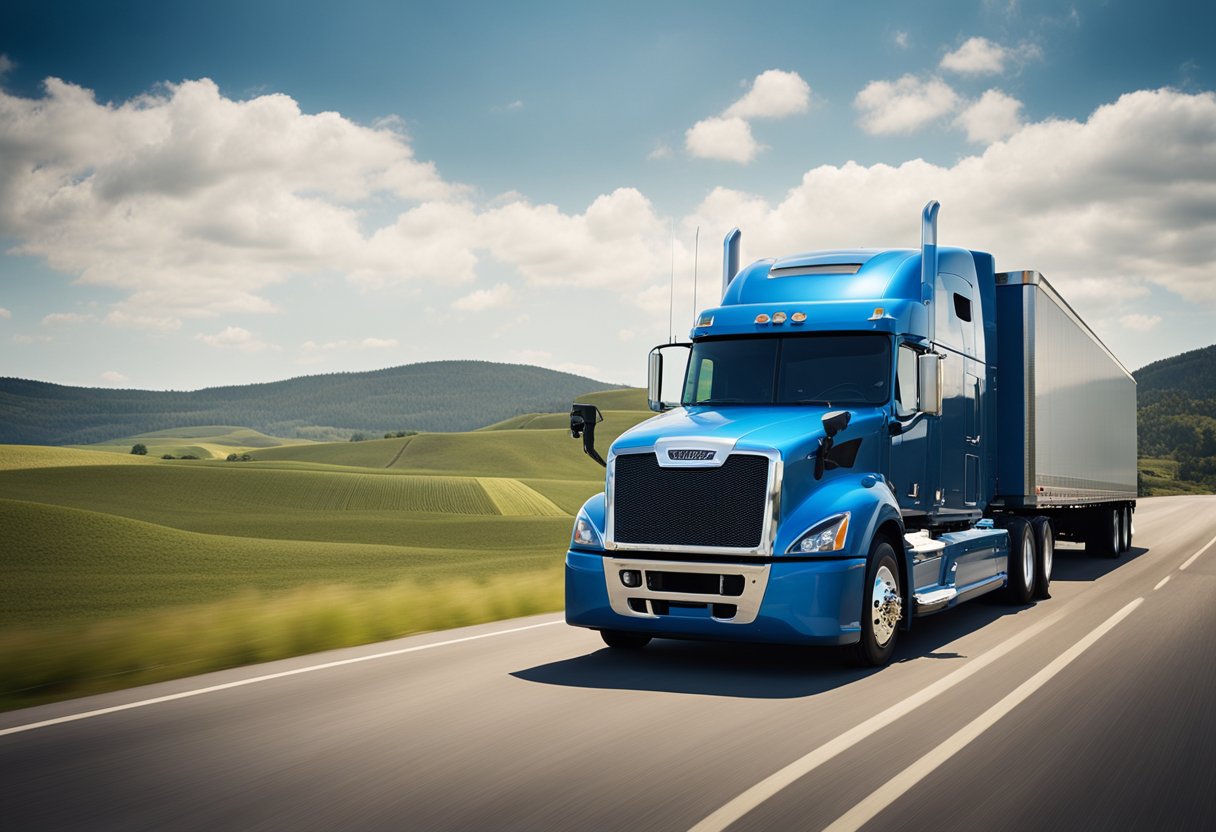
1159,478
206,442
108,555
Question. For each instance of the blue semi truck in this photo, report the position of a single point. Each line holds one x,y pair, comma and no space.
861,437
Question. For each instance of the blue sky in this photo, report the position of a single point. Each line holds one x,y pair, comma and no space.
506,176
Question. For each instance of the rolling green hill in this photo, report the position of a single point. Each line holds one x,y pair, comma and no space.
204,442
1176,421
434,396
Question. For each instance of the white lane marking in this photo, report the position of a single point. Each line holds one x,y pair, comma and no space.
771,785
30,726
1161,583
1195,556
893,789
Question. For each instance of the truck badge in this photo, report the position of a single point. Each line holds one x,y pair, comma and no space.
690,454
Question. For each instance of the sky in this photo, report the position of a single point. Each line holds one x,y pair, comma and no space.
194,195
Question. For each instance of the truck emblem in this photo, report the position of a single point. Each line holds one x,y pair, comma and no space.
690,454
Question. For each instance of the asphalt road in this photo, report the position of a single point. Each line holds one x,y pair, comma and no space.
1095,709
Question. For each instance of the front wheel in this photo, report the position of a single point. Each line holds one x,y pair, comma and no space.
882,608
622,640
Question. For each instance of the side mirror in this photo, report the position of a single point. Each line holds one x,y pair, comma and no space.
583,419
835,422
663,390
929,382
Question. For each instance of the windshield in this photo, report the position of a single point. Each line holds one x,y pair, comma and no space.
790,369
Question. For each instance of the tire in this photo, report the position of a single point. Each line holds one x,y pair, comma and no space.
1105,533
1129,526
881,607
1023,558
1045,550
622,640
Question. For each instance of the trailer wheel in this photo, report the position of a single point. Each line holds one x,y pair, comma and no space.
1105,533
882,608
622,640
1129,526
1045,550
1023,557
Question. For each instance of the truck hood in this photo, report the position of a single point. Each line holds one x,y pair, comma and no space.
793,430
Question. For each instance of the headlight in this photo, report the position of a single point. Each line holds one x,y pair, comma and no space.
585,533
828,536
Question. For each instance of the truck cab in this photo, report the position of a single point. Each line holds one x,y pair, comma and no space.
827,470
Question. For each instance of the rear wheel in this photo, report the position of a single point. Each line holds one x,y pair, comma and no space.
1045,550
1023,558
882,608
622,640
1128,527
1105,533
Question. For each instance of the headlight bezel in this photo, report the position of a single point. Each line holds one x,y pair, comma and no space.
585,535
829,536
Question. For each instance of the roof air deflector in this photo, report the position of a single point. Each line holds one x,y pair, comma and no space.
817,268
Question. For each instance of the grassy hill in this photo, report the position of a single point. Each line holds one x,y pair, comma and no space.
204,442
434,396
1176,417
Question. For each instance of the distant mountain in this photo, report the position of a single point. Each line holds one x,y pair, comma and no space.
434,396
1176,413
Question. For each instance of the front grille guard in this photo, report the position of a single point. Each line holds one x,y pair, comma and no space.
772,511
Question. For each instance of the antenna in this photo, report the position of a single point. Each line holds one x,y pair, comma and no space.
671,297
696,253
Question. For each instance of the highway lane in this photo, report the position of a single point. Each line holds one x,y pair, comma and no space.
544,728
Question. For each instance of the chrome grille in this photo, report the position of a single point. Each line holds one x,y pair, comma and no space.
721,506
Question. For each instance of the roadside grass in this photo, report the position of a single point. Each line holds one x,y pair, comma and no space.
1159,478
47,664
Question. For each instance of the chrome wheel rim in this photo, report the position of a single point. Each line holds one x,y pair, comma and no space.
1049,550
886,607
1028,561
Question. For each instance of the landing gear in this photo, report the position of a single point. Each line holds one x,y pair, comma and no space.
882,608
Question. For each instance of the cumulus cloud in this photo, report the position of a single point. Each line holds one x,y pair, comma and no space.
774,94
4,313
725,139
482,299
66,318
662,150
153,323
369,343
993,117
235,338
113,377
1108,207
901,40
905,105
1140,322
980,56
6,65
728,137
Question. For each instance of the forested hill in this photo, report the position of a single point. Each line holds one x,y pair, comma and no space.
1177,413
435,396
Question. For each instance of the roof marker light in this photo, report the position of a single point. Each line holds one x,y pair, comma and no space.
798,317
879,312
762,318
778,317
706,320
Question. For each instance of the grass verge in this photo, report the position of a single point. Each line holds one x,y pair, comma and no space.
47,664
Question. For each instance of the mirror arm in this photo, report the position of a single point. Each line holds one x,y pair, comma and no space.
583,418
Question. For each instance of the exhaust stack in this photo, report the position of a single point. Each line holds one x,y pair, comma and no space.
730,258
928,263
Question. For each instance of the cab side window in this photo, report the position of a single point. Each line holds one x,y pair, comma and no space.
905,382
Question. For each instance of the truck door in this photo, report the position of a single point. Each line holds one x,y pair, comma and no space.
909,474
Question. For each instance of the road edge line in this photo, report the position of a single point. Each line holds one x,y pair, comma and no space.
253,680
900,784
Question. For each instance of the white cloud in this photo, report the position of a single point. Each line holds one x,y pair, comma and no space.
113,377
993,117
728,137
235,338
1106,207
153,323
1140,322
980,56
4,313
369,343
66,318
31,339
725,139
774,94
6,65
901,40
517,104
905,105
497,296
662,150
